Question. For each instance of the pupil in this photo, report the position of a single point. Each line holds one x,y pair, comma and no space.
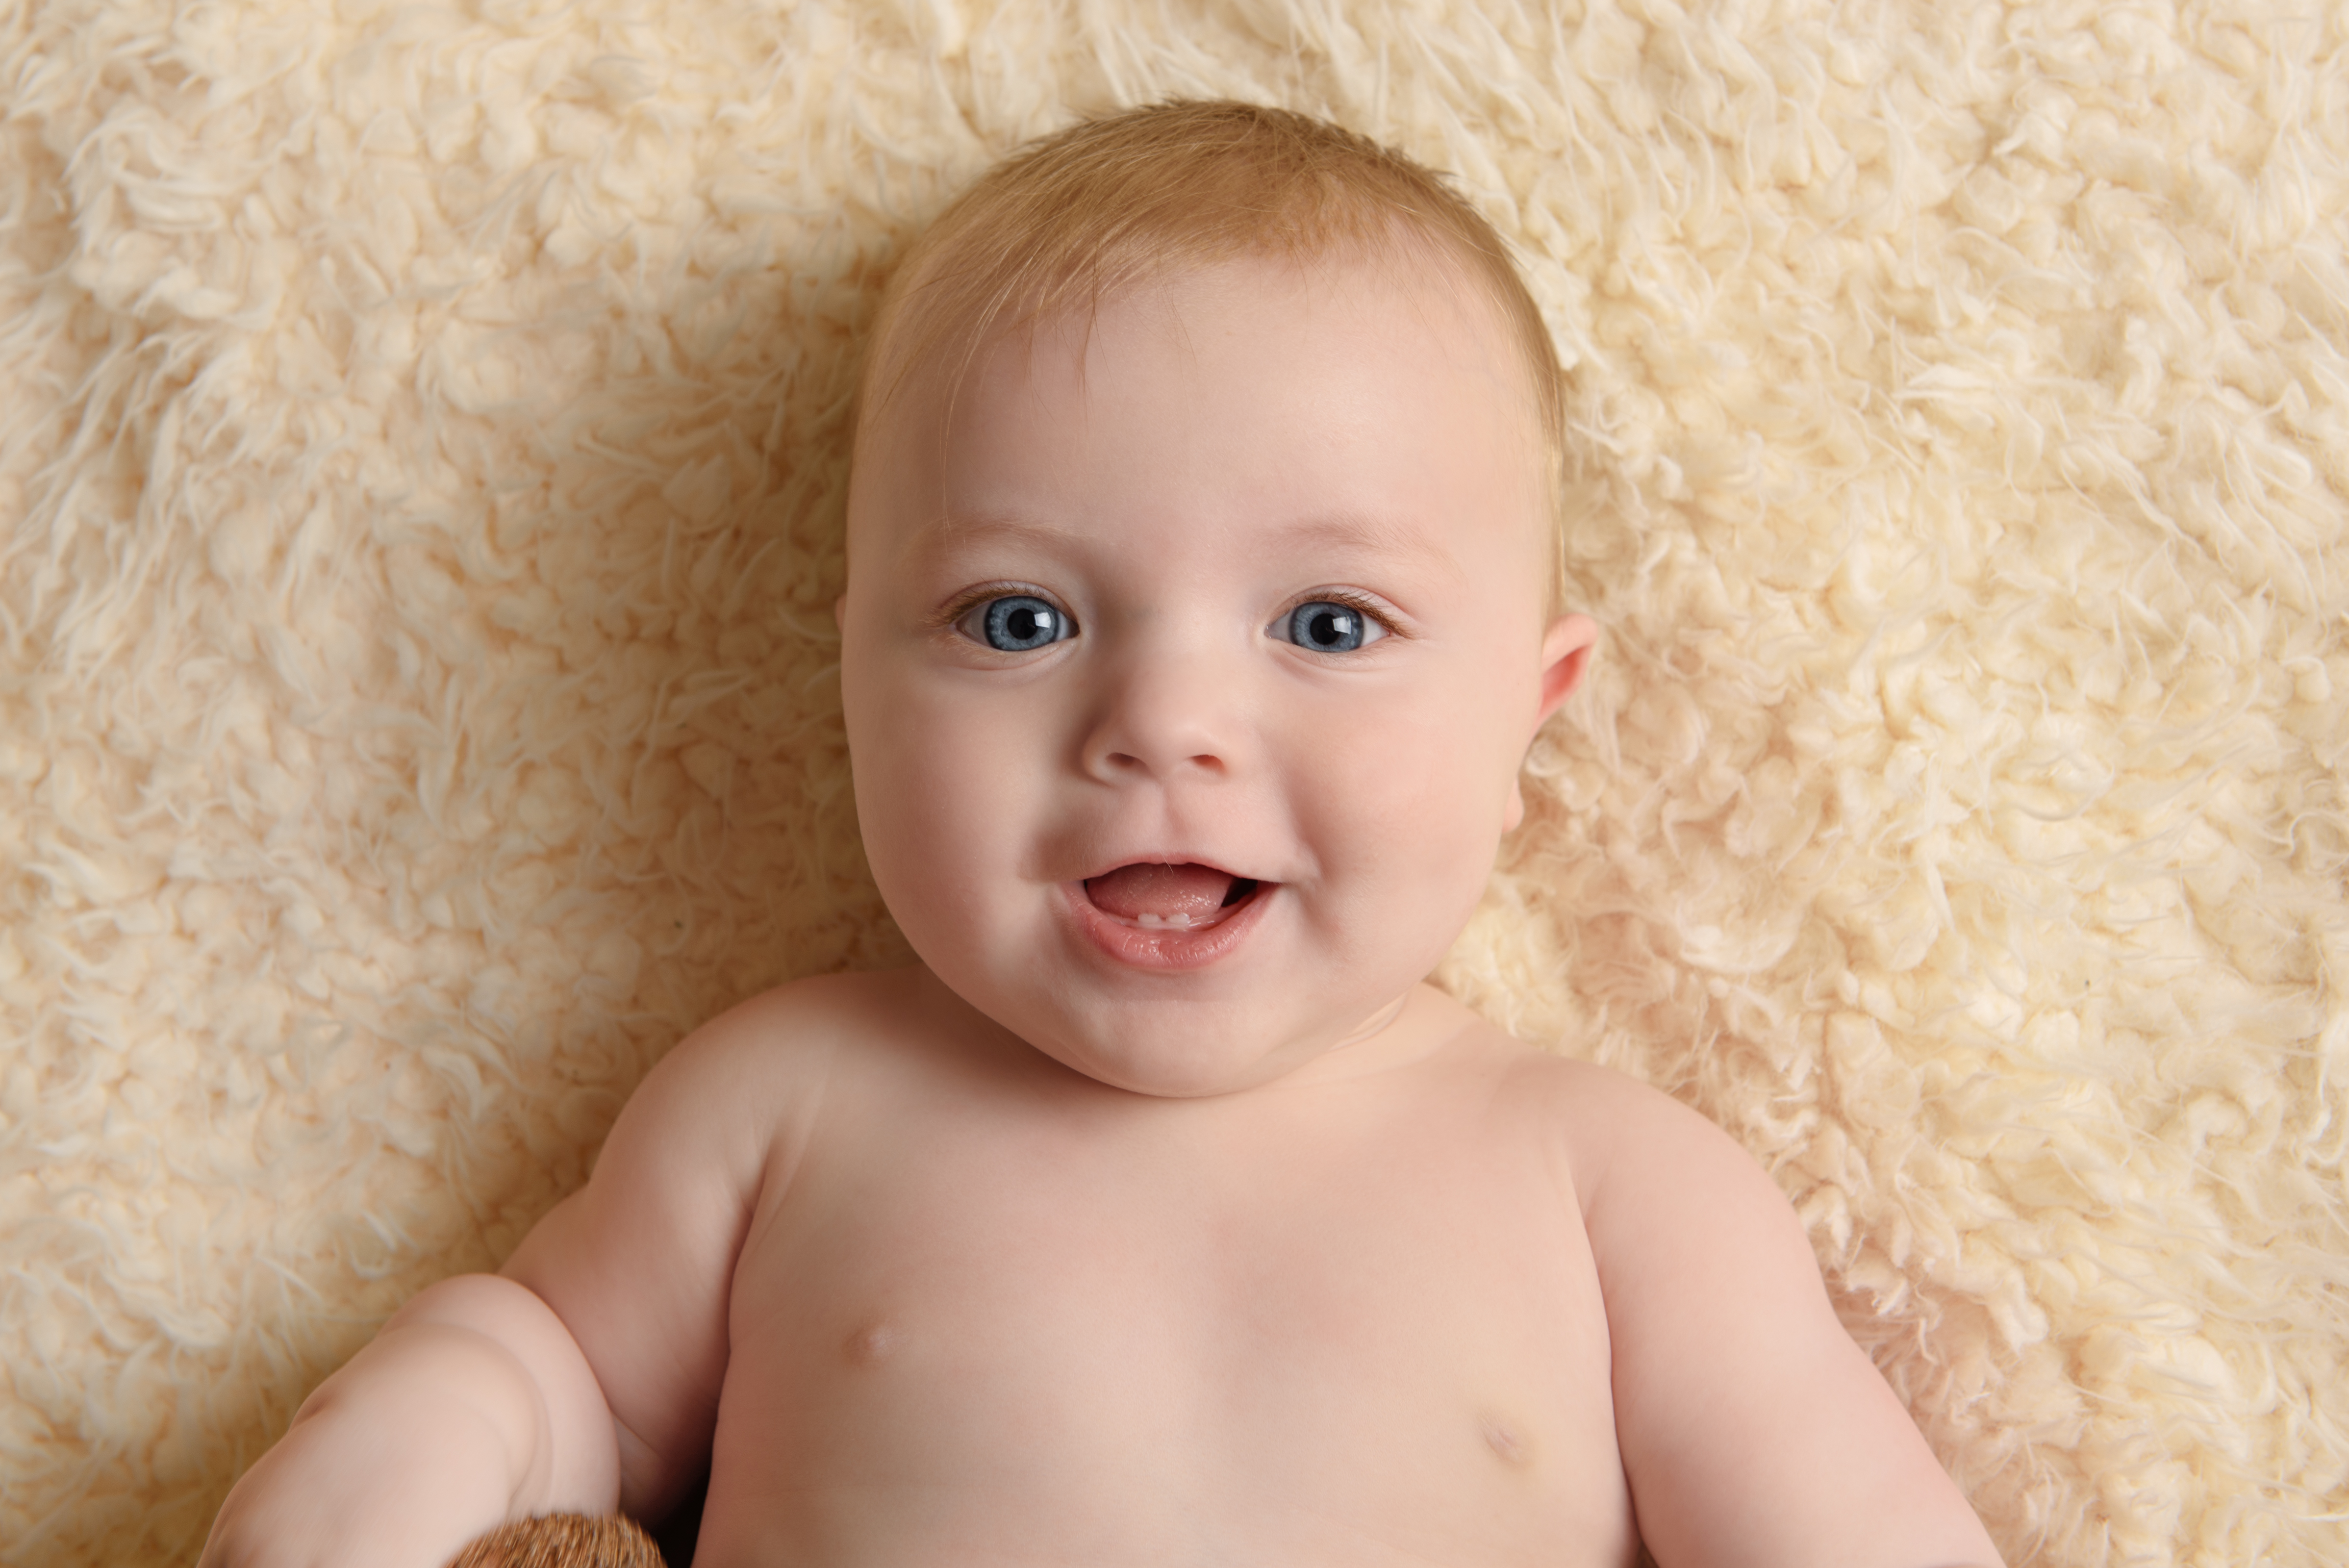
1326,627
1017,624
1331,629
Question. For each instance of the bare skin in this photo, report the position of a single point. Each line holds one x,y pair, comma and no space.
1160,1216
1003,1313
991,1310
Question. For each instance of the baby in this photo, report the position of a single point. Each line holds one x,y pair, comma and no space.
1201,606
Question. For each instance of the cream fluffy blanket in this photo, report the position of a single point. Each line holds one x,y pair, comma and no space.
420,480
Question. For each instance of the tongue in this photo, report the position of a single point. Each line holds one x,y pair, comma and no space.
1180,894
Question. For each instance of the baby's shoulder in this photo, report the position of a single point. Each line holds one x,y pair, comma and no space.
794,1024
1625,1144
1583,1098
771,1058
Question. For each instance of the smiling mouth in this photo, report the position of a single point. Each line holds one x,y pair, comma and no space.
1155,896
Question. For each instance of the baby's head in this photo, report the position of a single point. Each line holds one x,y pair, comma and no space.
1201,592
1114,205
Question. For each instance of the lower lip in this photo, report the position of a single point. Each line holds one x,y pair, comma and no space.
1165,948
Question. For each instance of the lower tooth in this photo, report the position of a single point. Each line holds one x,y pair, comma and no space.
1179,922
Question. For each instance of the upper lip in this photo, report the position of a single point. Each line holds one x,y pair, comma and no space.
1171,859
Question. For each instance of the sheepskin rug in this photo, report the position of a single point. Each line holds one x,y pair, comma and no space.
420,490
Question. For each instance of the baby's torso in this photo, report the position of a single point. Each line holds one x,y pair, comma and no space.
999,1314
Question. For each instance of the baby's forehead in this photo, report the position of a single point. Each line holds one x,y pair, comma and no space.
1413,281
1362,423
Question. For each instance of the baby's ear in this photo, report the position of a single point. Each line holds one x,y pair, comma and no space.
1565,653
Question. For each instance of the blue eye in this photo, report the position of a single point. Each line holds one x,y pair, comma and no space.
1018,623
1326,626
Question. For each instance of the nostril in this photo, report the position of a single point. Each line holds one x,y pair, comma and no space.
1108,763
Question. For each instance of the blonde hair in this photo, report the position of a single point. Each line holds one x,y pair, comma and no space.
1070,220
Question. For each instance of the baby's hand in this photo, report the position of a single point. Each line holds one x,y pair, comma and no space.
438,1431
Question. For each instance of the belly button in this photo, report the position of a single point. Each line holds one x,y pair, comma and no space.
868,1345
1503,1441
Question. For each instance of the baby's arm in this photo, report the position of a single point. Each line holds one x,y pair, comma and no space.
472,1406
1752,1429
639,1263
587,1375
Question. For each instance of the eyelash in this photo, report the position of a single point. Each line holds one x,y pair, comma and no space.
969,599
1360,604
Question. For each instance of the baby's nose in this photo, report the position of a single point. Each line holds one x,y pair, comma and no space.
1164,718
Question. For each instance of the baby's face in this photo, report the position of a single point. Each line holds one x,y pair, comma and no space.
1248,580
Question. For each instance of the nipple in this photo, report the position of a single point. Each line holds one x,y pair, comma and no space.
1157,896
868,1344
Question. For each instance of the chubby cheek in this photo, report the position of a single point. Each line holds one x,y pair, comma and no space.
938,811
1408,809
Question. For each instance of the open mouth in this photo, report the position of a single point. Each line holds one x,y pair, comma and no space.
1152,896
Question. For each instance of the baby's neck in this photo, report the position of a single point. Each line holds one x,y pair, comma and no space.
1409,1030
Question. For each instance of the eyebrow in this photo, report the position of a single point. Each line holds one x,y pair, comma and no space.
1375,534
1381,535
953,528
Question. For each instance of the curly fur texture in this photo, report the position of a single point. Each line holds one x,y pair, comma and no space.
420,480
562,1541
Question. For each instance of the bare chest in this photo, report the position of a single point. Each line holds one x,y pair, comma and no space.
1160,1343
